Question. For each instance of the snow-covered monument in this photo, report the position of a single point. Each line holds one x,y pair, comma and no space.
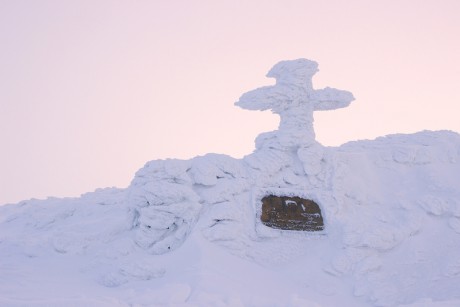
286,164
367,223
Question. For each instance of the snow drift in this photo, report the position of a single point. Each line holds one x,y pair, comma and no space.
189,232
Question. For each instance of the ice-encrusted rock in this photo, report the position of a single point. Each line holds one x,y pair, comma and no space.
166,196
163,205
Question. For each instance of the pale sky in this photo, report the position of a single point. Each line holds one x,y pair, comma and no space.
91,90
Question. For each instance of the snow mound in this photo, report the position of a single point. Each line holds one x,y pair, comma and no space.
188,232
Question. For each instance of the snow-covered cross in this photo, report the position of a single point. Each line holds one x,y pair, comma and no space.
295,100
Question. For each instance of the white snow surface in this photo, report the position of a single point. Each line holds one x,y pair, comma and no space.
188,233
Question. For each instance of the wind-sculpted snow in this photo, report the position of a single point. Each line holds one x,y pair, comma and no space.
188,232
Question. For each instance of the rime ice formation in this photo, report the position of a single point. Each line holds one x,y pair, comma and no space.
189,232
294,99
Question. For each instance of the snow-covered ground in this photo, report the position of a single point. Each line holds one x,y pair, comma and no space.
188,233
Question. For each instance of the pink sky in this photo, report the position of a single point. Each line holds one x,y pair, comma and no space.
91,90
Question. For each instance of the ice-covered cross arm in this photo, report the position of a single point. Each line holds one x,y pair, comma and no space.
278,97
331,99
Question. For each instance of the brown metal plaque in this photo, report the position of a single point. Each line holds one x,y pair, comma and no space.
291,213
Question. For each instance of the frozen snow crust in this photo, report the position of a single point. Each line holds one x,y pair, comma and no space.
188,233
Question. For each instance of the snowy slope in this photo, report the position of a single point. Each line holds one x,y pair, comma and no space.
188,233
